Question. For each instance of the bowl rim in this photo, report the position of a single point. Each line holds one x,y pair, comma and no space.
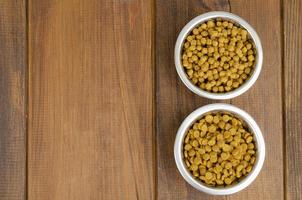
178,145
205,17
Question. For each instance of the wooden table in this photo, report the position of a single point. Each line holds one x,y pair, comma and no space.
90,101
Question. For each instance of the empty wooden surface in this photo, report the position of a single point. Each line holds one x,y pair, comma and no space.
90,122
105,102
292,98
13,68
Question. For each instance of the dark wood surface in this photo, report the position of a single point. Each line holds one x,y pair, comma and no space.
105,101
13,68
174,101
292,98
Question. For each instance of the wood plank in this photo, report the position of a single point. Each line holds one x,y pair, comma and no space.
264,100
292,23
174,100
91,100
12,99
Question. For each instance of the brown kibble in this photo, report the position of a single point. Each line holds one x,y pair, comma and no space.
188,147
206,156
209,118
201,151
224,156
195,143
197,160
228,165
221,124
202,171
215,148
196,133
249,168
191,153
228,181
225,118
208,148
247,157
249,139
251,146
209,175
194,167
216,119
226,134
226,148
212,142
212,129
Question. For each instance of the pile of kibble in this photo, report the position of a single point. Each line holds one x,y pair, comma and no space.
219,149
218,56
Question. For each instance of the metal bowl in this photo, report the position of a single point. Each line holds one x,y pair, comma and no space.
199,20
249,122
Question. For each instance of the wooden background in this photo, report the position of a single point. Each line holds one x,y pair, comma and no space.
90,101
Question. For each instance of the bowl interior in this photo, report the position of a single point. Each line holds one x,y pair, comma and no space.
245,124
252,35
248,122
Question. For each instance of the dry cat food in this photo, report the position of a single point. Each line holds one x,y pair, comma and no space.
218,56
219,150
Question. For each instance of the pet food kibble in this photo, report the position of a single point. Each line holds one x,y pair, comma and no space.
218,56
188,147
209,118
219,150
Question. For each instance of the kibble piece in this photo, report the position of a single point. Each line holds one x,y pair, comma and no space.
206,156
247,157
197,160
249,139
212,128
188,147
202,171
191,153
228,165
226,134
209,118
226,148
224,156
216,119
215,148
225,118
249,168
194,167
208,175
196,133
208,148
250,146
201,151
212,142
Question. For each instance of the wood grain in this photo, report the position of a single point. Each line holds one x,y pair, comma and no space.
292,97
264,100
12,99
174,100
91,100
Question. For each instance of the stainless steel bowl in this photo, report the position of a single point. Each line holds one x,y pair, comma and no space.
199,20
251,124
